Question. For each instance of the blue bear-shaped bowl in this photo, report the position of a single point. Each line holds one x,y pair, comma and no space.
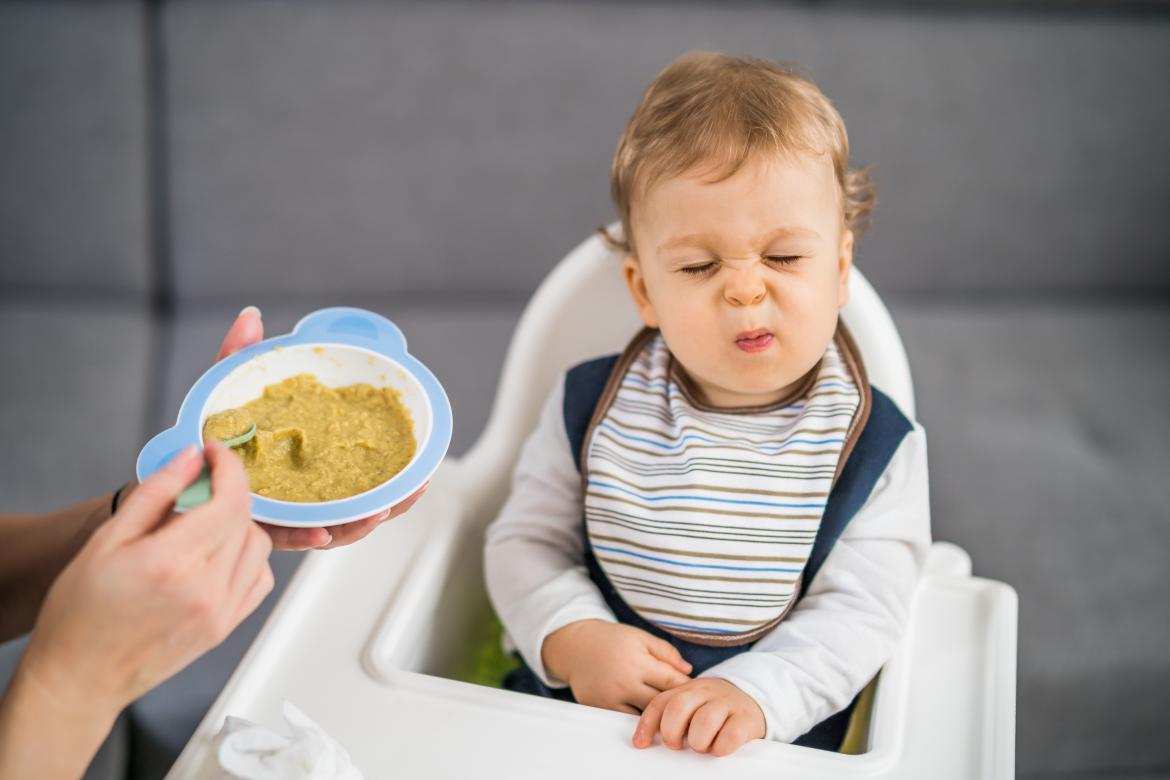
341,346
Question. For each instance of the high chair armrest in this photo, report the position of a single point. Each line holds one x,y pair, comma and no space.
945,704
950,559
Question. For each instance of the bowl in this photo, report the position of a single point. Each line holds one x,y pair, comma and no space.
341,346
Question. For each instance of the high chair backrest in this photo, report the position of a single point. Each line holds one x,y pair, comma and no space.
582,310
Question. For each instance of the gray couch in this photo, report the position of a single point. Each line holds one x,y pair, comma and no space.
165,164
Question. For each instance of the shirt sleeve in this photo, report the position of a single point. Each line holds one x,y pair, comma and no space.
854,612
534,553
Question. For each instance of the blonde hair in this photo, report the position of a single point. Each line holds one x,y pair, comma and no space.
715,110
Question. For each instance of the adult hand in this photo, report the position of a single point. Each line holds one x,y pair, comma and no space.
708,715
244,332
611,665
148,593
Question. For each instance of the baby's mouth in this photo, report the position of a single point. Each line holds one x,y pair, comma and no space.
754,340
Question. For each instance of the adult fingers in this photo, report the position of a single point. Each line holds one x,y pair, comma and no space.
665,651
222,521
229,480
348,533
705,724
151,501
626,708
736,731
651,718
297,539
409,502
252,557
229,512
244,332
338,535
256,592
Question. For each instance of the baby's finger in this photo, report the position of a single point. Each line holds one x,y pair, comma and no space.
663,676
151,502
736,731
676,718
641,696
244,332
626,709
665,651
651,718
705,724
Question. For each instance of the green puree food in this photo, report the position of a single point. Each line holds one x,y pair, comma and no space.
317,443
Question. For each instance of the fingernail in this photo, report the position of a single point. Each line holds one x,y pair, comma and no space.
185,456
249,310
328,540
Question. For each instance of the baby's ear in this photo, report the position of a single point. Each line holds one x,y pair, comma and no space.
636,284
844,266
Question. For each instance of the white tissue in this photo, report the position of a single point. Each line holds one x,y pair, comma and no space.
251,752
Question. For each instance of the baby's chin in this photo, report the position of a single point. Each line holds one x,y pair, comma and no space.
751,391
766,385
732,383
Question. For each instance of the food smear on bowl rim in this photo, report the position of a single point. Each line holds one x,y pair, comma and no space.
315,443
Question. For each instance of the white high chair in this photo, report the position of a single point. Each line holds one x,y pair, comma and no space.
363,635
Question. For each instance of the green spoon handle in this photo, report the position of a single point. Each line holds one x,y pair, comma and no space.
197,493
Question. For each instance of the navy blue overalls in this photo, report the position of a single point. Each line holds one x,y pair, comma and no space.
879,440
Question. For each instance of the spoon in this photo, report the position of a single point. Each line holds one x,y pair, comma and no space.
199,491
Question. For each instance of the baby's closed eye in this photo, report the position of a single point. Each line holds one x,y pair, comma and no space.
782,259
700,269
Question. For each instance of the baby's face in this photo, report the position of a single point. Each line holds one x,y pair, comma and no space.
744,277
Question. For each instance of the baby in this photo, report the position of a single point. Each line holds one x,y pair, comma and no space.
721,528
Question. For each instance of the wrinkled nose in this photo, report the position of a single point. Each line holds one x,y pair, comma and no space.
744,288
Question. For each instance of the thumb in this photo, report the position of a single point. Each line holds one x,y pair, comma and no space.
153,500
665,651
244,332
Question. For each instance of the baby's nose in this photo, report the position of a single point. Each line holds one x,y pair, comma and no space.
745,287
745,294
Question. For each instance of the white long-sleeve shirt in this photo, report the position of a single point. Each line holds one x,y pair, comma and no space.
810,666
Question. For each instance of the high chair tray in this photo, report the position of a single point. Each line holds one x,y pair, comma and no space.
357,628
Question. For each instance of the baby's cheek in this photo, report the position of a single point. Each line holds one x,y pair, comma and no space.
688,340
687,323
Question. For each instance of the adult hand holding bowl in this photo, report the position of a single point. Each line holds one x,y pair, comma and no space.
248,329
342,346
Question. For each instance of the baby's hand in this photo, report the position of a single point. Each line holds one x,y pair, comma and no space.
611,665
709,713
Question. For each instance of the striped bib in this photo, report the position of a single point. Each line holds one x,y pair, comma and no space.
704,519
